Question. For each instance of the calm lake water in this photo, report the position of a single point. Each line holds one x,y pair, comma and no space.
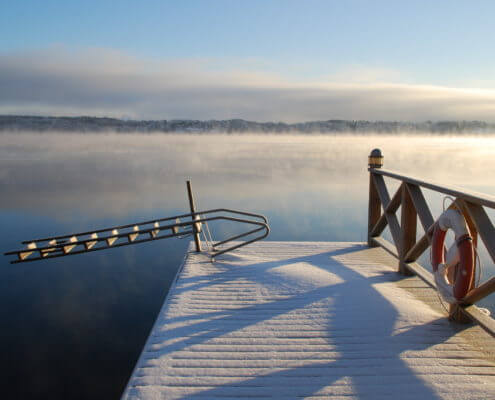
73,327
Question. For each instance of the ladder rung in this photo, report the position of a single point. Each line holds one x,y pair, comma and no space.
91,244
111,240
70,247
24,254
46,252
155,232
133,236
58,246
175,228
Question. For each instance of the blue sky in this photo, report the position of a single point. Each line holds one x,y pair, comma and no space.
291,44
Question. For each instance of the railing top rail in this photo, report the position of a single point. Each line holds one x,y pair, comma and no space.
407,248
468,195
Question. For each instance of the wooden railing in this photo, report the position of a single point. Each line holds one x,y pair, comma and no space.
409,197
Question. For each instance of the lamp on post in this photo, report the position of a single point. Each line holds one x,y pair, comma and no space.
375,159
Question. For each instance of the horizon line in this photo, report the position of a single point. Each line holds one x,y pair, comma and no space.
124,119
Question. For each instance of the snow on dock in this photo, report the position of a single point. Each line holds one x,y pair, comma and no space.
308,320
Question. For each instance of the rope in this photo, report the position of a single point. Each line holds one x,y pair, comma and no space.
209,233
438,293
449,198
480,274
208,239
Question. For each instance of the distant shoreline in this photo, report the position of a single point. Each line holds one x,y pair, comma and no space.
24,123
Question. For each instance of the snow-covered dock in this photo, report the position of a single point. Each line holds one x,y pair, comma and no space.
308,320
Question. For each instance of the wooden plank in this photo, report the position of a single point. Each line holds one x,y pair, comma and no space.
471,196
419,248
484,226
395,203
385,245
414,267
135,234
423,273
46,252
480,292
68,248
472,312
408,224
374,209
473,230
111,240
155,232
91,243
24,254
175,228
322,325
391,208
421,206
484,320
379,226
392,220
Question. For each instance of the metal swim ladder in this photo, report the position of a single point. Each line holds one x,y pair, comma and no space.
146,231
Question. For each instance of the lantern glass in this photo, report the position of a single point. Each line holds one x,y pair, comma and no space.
375,161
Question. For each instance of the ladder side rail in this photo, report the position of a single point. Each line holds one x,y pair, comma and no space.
238,236
223,251
49,256
104,238
50,248
101,230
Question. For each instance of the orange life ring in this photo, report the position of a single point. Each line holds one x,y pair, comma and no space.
464,256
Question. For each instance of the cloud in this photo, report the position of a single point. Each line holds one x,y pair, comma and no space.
110,83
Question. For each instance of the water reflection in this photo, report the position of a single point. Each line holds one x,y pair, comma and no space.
74,326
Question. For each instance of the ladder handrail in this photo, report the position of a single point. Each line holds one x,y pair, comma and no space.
47,250
215,210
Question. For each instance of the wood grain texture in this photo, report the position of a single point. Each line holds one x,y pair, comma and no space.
313,320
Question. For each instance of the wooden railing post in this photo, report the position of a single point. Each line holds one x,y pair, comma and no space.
407,249
375,160
408,225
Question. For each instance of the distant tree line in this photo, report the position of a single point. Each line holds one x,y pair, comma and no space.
94,124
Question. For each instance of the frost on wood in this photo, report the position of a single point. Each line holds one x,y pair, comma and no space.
303,320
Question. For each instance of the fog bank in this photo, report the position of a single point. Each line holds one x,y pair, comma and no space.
110,83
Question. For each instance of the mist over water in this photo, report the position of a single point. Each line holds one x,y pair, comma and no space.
74,326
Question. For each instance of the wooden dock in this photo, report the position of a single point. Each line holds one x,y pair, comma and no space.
308,320
318,319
